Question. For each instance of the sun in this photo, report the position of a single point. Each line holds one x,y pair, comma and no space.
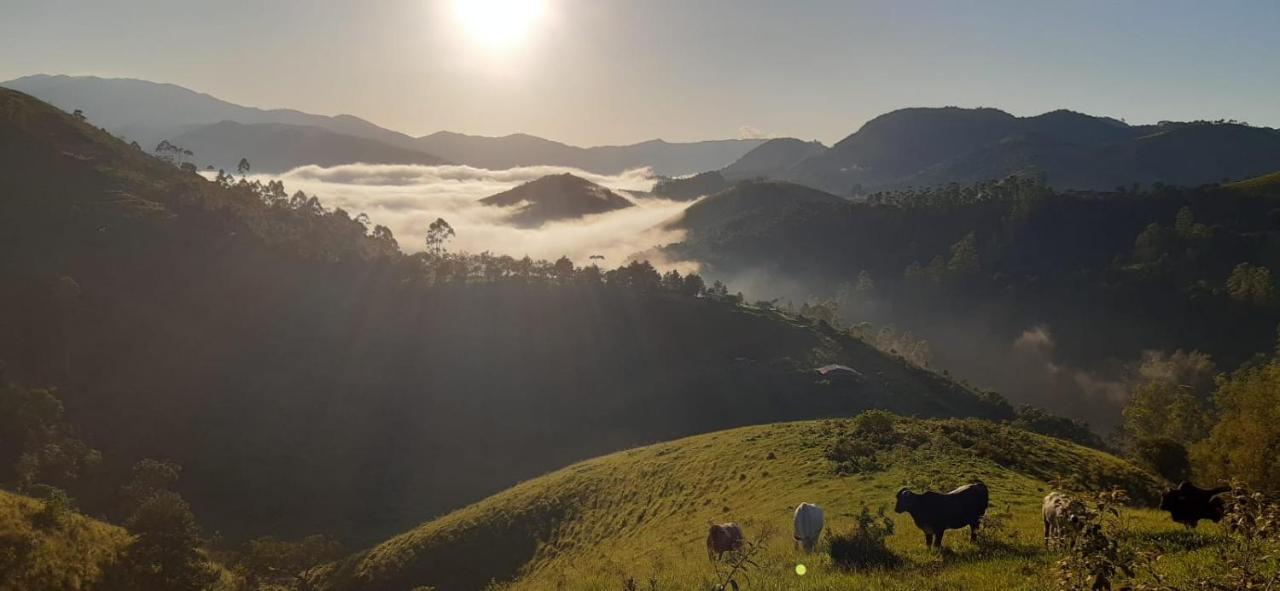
498,24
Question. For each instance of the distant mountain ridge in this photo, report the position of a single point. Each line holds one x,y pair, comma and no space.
936,146
277,147
665,158
149,112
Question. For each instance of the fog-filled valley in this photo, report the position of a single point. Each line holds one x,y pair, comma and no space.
581,328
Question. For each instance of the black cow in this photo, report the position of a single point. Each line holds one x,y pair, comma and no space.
1188,503
935,513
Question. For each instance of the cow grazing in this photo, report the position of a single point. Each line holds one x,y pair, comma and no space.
1188,503
1061,515
935,513
808,525
723,537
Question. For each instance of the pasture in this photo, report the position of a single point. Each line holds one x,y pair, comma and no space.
638,519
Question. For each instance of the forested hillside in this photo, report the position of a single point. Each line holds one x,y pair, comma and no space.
308,378
1007,280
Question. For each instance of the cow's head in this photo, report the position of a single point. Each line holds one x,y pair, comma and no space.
906,500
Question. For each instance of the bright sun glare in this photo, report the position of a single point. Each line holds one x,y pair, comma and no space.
498,23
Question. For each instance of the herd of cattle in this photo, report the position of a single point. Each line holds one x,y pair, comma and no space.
935,513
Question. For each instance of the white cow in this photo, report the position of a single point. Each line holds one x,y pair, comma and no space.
808,521
1061,514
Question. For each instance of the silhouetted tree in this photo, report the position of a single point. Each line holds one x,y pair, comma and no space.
164,554
438,233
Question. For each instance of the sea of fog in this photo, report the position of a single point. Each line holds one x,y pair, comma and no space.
406,198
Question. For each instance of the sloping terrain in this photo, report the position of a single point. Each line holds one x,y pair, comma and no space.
772,159
310,378
556,197
922,147
69,554
743,207
1267,183
1100,273
664,158
149,112
643,513
277,147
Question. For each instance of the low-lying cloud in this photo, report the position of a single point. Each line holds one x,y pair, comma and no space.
406,198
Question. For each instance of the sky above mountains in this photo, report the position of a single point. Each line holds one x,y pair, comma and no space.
593,72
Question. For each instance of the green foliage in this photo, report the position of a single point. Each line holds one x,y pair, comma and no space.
1241,444
1166,457
964,257
1098,556
57,506
37,555
1025,191
1160,410
150,478
1037,420
896,342
37,445
268,562
1252,284
862,545
1250,557
164,554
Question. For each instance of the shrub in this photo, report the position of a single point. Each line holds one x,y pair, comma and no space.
57,505
1165,457
875,423
1097,557
863,545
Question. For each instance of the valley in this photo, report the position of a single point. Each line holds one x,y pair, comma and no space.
558,295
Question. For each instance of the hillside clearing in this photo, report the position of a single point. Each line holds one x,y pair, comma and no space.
642,514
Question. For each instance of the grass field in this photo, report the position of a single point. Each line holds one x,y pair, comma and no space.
643,514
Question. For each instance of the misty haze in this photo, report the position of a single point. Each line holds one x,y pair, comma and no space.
715,295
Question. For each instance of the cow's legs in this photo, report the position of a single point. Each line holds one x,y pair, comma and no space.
937,537
928,539
973,532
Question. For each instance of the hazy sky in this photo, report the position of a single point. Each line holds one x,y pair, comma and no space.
613,71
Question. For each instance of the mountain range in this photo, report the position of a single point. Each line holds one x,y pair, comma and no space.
929,147
148,112
913,147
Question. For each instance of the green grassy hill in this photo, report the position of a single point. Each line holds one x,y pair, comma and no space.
69,555
1266,182
643,513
